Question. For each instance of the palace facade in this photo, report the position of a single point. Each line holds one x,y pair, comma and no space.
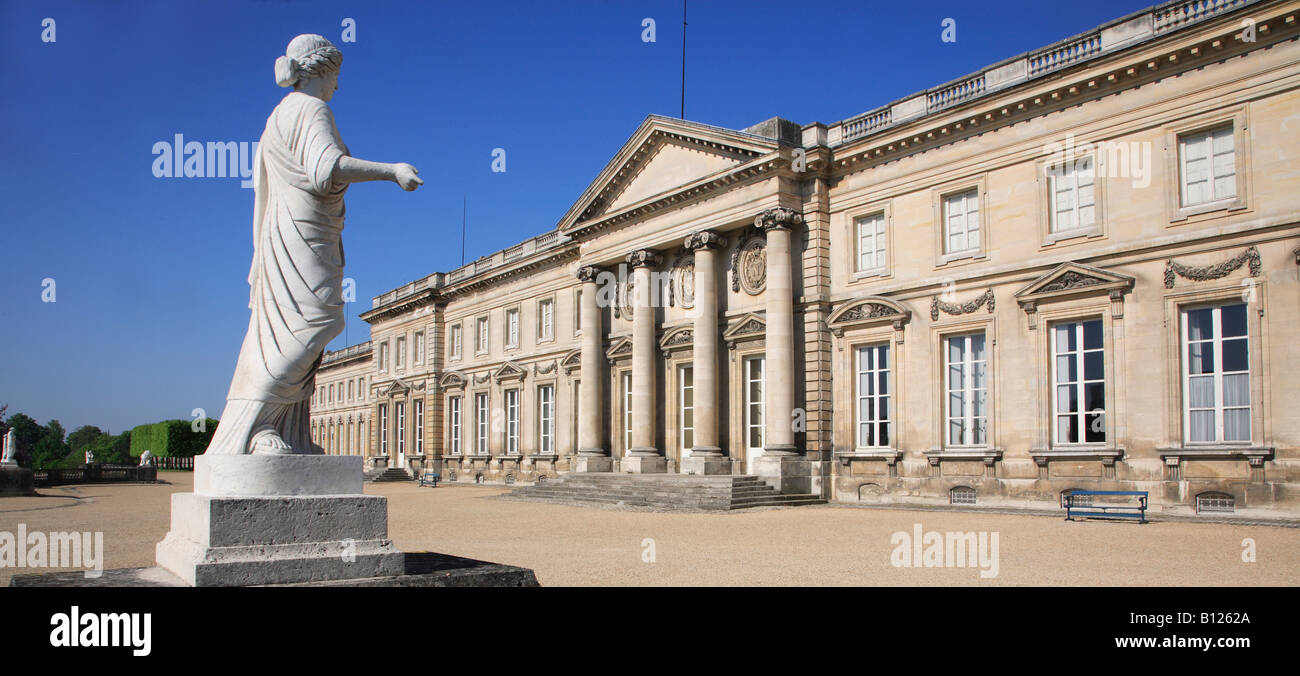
1074,269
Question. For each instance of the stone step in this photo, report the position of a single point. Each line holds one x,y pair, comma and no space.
663,491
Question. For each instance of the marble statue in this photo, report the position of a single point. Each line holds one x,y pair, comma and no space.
301,171
90,457
10,453
146,458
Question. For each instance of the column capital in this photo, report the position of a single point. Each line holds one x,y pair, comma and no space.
778,218
644,258
704,239
588,273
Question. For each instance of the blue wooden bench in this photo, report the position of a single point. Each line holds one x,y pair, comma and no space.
1075,506
430,479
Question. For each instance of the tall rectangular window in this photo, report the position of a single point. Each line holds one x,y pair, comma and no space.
399,356
1208,164
873,410
967,389
383,429
512,328
871,242
456,341
546,419
961,222
331,396
383,356
686,402
350,390
481,414
1070,185
401,427
419,427
453,424
627,412
755,402
512,422
1079,380
419,348
546,319
1216,374
481,335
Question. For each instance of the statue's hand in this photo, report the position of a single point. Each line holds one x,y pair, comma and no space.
405,176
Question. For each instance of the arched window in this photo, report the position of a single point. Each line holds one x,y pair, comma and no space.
961,495
1215,502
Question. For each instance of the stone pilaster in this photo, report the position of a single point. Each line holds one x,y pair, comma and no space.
706,455
643,457
592,456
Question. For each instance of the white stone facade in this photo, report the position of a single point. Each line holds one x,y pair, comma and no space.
1074,270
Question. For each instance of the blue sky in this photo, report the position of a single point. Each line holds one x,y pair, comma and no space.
149,273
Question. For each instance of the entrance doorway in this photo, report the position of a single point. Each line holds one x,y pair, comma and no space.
755,431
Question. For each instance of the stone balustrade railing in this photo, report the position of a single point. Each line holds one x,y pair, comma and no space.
349,351
493,261
1123,32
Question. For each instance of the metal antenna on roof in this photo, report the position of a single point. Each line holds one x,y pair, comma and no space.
683,59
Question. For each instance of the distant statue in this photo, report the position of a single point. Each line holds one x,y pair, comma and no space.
301,171
146,458
90,456
9,455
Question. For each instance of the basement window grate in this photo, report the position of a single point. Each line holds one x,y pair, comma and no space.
962,495
1215,503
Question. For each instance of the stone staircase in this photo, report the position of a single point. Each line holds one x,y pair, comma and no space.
661,491
388,474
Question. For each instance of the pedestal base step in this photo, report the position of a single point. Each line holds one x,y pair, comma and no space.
422,569
662,491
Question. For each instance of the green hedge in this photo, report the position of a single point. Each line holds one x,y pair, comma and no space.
171,438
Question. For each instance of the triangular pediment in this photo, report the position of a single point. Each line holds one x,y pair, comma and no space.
748,325
395,387
663,156
620,347
509,370
1070,278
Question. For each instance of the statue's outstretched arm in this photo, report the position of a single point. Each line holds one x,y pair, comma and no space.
353,170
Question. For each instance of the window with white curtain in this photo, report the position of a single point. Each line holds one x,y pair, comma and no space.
871,242
419,426
1079,382
1216,374
545,319
967,390
512,422
961,222
546,419
873,396
512,328
686,402
481,414
453,424
1208,164
1074,205
383,429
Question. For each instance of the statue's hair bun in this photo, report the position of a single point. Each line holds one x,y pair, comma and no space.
286,71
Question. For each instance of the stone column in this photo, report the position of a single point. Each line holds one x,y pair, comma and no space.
643,457
592,456
705,456
781,464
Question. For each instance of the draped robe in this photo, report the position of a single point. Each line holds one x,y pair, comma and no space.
296,279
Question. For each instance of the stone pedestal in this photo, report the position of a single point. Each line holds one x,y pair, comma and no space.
15,480
277,519
789,474
593,463
644,464
705,464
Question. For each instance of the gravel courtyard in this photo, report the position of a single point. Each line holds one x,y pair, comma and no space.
824,545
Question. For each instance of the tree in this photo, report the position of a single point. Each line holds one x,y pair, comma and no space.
26,435
84,436
51,449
